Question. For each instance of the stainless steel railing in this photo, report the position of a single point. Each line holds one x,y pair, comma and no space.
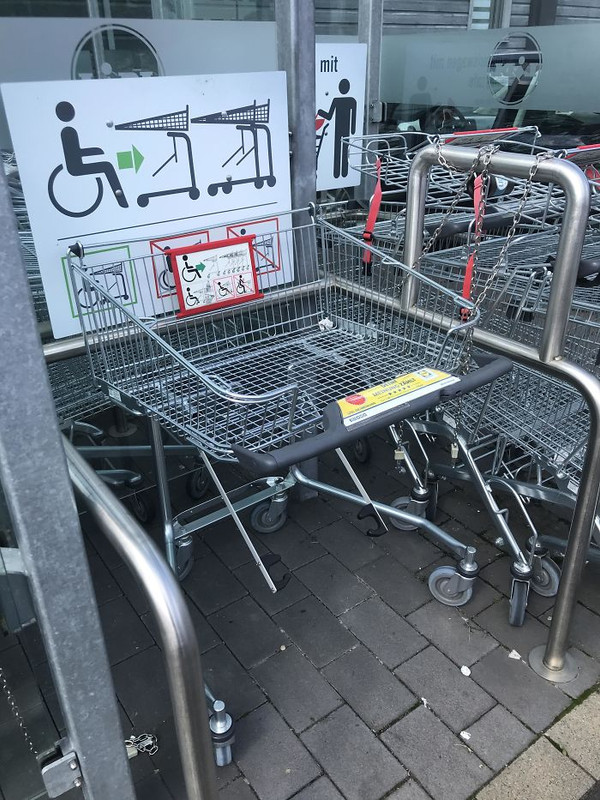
176,630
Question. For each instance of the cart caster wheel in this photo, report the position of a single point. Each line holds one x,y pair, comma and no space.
262,522
227,187
546,582
194,194
518,603
212,189
438,586
402,504
271,180
142,508
143,201
259,183
197,483
361,450
431,510
185,559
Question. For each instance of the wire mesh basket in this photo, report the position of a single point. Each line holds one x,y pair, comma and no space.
259,373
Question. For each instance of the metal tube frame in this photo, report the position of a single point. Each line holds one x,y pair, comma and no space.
46,525
176,629
552,661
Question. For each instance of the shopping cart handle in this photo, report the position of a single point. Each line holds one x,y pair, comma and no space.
587,266
336,434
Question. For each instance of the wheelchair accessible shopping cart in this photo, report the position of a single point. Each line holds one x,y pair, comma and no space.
283,378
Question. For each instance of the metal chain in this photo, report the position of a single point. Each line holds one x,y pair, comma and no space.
468,348
16,713
543,156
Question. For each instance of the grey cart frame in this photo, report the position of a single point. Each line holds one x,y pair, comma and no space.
551,661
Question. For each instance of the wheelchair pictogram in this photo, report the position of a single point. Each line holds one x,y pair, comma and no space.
75,166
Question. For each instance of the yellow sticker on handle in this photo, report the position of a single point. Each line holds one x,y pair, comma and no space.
375,400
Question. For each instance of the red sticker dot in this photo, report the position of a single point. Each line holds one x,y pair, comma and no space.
356,399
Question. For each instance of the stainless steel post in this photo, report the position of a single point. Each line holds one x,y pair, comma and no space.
46,524
552,660
296,56
370,31
175,626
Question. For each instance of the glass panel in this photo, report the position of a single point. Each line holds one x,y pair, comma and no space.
472,76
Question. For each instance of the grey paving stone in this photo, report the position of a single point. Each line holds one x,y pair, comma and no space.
409,791
315,630
530,698
227,774
454,697
540,773
588,594
21,680
456,636
434,755
212,586
486,552
230,682
334,585
498,737
400,590
207,637
237,790
249,633
348,544
469,511
271,756
295,545
19,770
321,789
585,631
353,757
588,675
152,788
300,694
383,631
577,735
312,514
105,586
142,689
227,543
522,639
251,577
370,688
409,548
124,632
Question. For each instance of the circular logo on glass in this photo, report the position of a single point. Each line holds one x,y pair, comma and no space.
514,68
115,51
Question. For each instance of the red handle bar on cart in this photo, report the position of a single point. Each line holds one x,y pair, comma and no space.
336,434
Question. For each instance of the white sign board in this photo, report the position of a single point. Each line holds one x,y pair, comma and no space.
139,164
340,74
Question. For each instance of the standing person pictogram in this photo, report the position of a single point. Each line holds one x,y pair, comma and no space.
75,165
343,109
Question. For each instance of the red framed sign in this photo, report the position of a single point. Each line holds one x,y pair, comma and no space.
214,275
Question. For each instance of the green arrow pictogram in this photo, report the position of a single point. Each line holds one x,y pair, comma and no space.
130,159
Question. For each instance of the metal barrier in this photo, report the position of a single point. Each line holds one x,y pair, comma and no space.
551,661
175,626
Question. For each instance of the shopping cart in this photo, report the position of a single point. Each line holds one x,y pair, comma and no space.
527,435
247,119
281,379
175,125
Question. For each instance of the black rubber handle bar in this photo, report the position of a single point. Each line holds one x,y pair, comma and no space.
336,434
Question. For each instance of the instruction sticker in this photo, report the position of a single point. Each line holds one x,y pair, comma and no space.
377,399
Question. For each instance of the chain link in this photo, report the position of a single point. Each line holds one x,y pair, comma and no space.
15,712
